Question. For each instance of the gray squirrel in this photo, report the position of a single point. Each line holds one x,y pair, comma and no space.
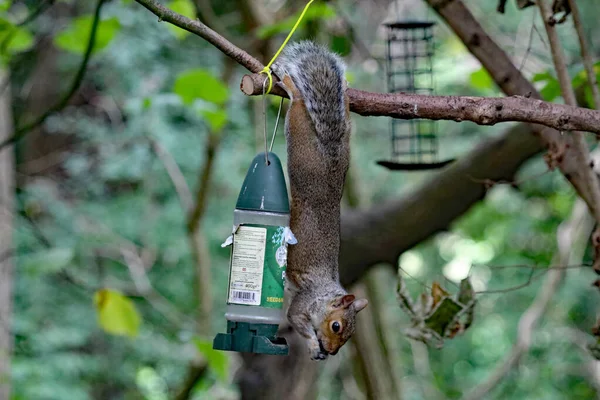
317,129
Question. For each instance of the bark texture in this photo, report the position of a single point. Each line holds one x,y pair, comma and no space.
7,185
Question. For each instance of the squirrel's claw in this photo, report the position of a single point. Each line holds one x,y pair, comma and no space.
314,349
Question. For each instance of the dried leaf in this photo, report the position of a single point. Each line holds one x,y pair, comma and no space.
437,294
443,316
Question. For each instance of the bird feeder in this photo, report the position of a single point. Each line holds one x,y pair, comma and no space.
409,69
258,261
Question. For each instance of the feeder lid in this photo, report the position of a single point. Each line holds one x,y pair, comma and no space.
415,24
264,187
251,338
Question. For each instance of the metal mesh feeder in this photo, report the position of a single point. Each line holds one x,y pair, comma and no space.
409,69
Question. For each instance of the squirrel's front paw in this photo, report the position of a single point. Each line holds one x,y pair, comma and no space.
314,349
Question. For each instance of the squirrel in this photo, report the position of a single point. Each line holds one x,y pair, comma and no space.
317,129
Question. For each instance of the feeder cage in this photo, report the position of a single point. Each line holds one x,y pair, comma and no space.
409,68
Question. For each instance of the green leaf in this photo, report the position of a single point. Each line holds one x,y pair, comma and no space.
76,36
185,8
217,360
579,79
117,314
200,84
542,77
551,91
48,261
552,88
315,12
5,5
481,79
341,45
216,119
14,39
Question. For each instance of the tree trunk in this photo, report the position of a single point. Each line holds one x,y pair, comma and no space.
6,226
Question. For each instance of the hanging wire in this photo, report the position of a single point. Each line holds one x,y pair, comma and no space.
269,148
276,124
264,98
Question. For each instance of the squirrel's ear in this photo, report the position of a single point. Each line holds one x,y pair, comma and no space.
346,300
360,304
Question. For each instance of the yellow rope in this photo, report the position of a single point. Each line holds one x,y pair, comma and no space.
267,68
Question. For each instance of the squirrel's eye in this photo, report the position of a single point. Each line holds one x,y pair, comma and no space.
335,326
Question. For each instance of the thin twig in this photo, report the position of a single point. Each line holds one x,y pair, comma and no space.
174,172
570,233
137,271
489,183
39,10
529,43
530,279
535,267
21,131
585,54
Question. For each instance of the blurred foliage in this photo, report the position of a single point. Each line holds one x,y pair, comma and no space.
82,328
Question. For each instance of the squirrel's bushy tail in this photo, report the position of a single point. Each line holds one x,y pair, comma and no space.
319,76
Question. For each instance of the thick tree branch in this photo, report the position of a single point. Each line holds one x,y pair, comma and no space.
376,235
21,131
481,110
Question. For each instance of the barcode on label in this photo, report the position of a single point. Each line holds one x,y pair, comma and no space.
243,297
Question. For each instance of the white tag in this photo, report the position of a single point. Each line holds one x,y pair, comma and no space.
247,264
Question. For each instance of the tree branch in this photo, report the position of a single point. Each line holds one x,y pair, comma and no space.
479,110
181,186
372,236
588,182
585,54
21,131
564,152
198,28
39,10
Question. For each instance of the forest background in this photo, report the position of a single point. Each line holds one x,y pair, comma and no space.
127,153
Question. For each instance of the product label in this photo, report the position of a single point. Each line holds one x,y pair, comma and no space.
258,262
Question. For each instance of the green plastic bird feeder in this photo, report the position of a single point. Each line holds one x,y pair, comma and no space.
258,260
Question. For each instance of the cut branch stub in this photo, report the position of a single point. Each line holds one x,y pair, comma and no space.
252,85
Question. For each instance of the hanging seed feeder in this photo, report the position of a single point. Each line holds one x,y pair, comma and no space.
258,260
409,69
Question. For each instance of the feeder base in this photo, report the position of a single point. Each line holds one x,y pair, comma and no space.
251,338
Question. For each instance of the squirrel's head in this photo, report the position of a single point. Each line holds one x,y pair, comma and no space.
338,324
